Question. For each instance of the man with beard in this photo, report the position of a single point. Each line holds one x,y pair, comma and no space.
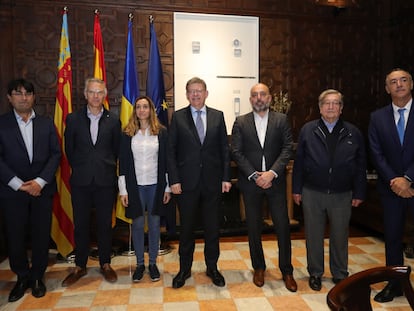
262,147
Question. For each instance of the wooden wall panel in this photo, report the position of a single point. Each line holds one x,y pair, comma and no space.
304,48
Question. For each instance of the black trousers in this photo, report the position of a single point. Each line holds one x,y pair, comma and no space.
27,216
253,202
84,199
199,205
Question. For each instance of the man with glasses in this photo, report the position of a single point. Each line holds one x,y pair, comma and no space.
262,147
329,178
198,172
29,158
391,137
92,139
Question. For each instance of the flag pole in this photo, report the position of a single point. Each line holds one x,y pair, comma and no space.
129,252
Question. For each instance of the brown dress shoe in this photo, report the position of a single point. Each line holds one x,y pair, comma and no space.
258,277
75,275
290,282
109,273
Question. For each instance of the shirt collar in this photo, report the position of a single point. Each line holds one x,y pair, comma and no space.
19,118
407,106
90,115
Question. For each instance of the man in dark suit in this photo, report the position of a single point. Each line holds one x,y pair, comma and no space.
92,139
392,152
262,146
29,158
198,172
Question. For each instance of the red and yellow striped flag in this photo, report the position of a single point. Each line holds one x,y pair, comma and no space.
62,218
99,66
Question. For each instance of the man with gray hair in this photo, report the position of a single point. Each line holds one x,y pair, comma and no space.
329,178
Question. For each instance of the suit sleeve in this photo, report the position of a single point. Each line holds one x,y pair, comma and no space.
237,149
49,170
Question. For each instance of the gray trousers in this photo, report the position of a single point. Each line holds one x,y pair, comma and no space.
317,207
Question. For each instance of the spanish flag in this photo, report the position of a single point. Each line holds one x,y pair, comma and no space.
130,93
99,67
62,219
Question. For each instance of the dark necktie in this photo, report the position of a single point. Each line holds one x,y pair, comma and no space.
200,126
400,125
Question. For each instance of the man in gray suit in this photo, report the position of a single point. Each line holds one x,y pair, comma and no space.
198,172
262,146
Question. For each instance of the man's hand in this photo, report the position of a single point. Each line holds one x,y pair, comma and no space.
356,202
31,187
265,179
297,198
401,187
225,186
176,188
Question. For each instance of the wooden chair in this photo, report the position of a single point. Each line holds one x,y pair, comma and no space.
354,292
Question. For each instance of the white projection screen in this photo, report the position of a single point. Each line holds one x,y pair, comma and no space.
223,50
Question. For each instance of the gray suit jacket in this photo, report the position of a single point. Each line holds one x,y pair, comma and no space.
248,152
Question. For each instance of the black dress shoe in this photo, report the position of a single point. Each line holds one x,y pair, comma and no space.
337,280
315,282
388,293
216,277
19,289
409,251
179,279
38,288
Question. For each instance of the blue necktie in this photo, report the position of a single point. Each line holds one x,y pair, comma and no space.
400,125
200,126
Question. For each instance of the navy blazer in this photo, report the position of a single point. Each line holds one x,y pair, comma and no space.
14,160
189,161
127,168
92,163
391,159
248,152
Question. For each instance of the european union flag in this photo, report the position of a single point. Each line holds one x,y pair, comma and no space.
155,81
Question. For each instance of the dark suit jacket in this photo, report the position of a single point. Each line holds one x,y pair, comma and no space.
189,161
127,168
92,163
390,158
248,153
14,160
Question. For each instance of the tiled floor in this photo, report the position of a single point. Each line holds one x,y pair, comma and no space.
93,293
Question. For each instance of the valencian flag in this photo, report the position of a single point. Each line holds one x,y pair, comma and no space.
130,93
62,219
155,80
99,67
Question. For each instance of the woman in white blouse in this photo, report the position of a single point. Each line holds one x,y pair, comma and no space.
143,184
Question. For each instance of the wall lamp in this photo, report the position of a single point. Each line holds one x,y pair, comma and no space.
340,4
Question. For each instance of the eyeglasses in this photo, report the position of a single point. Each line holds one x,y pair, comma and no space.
21,94
93,93
191,92
333,103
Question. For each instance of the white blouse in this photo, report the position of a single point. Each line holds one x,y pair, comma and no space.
144,148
